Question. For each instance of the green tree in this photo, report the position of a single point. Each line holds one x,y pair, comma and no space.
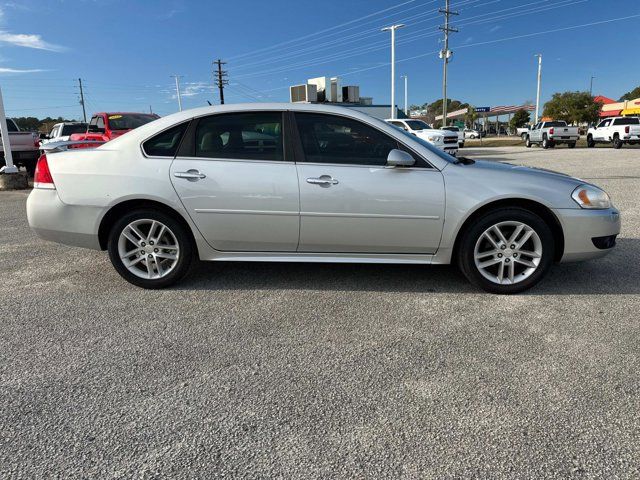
633,94
519,119
471,116
572,107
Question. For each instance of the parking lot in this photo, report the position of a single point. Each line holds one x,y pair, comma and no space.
311,370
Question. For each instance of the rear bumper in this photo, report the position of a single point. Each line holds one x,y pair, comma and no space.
53,220
582,226
564,139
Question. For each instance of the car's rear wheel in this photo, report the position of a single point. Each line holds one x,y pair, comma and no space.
150,249
508,250
617,143
545,142
571,145
527,142
523,136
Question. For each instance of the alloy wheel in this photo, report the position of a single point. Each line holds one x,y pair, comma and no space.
148,249
508,252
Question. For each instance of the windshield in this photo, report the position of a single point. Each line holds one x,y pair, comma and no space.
443,155
127,121
451,129
417,125
75,128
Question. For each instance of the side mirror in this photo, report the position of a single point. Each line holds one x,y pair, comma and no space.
400,158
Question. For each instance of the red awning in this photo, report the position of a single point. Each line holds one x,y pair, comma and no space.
610,113
604,100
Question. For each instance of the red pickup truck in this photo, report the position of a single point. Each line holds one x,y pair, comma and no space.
107,126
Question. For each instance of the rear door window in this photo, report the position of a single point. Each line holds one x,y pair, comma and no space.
248,136
627,121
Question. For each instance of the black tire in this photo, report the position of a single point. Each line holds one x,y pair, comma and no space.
184,242
617,143
571,145
465,253
523,136
545,142
590,142
527,142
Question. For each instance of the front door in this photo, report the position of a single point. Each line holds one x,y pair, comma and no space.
350,202
236,183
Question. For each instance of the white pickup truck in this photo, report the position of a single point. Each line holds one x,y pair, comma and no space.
441,139
549,134
616,130
24,147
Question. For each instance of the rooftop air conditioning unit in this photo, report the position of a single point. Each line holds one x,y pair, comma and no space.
321,84
351,94
335,91
303,93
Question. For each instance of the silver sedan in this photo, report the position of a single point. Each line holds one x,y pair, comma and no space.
310,183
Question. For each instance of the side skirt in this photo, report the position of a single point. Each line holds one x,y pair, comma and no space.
321,257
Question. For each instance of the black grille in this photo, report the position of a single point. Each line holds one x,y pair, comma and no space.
604,242
450,139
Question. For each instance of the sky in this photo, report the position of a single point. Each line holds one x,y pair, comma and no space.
125,51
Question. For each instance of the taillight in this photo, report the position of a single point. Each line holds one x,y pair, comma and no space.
626,129
36,141
42,177
551,131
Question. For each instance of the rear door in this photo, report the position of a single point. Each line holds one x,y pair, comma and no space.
351,202
238,183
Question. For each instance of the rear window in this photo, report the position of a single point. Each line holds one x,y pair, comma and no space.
71,129
128,121
11,126
627,121
555,124
166,143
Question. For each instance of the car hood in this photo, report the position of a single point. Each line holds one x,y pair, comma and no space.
509,168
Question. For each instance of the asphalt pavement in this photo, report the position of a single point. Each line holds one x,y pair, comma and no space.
323,371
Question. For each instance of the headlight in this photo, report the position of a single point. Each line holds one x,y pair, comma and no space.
434,138
588,196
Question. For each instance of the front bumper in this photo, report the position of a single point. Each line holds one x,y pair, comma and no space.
53,220
581,227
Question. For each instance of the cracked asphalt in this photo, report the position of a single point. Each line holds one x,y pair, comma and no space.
323,371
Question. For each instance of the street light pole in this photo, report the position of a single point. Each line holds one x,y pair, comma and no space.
6,142
392,29
406,108
591,86
539,55
177,77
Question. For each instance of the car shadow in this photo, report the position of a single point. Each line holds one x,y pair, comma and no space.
618,273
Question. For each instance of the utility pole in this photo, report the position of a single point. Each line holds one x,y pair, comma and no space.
177,78
84,112
392,29
539,55
591,86
445,54
406,108
220,79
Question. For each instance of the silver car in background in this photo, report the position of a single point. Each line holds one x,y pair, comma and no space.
310,183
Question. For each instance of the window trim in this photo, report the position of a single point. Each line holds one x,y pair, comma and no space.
301,158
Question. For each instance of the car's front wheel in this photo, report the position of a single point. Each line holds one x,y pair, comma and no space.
150,249
508,250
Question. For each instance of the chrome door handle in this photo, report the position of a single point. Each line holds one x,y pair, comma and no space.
191,175
323,181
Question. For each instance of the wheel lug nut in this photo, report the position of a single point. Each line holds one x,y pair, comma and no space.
150,256
515,255
155,250
142,252
507,260
503,247
150,243
499,255
512,247
143,244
